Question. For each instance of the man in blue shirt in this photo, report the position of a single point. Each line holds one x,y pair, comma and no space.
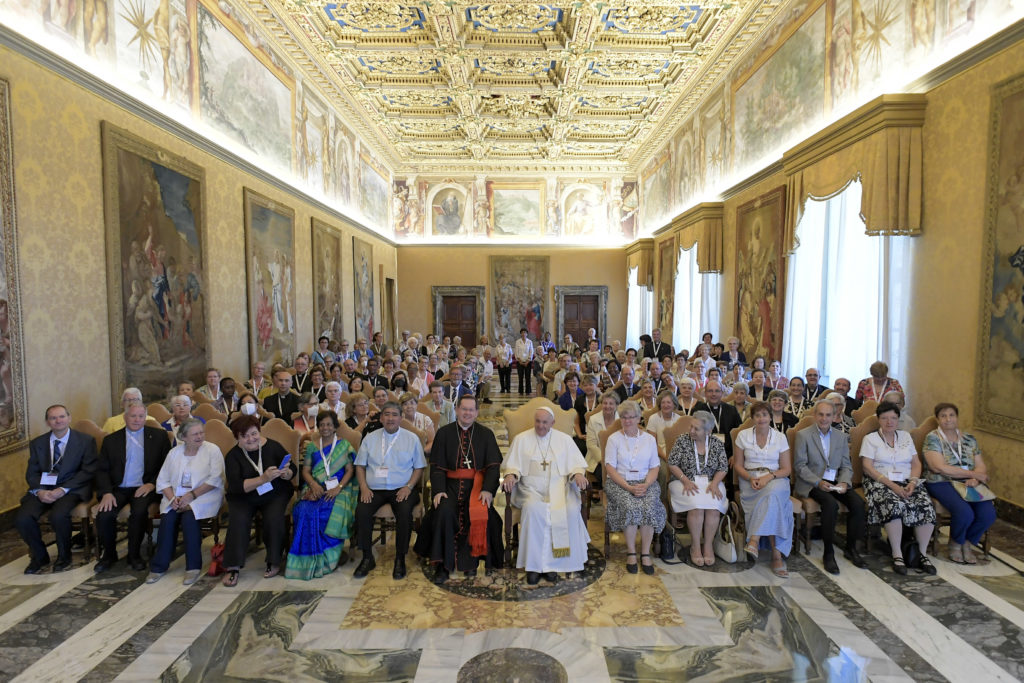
389,465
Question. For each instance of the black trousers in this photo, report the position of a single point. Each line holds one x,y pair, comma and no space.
505,378
527,372
855,519
403,519
138,518
241,509
27,523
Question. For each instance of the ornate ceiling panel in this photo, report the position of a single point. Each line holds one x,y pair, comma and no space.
462,86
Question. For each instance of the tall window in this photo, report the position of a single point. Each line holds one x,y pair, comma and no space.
639,310
696,302
847,294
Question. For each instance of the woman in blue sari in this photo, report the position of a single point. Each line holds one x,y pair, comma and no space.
323,516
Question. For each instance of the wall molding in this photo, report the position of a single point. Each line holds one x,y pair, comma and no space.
79,76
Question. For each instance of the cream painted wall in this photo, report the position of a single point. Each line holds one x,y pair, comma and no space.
61,238
423,267
948,258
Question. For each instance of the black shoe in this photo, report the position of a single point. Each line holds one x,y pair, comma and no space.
631,568
532,578
104,564
137,564
398,573
854,557
442,576
471,574
551,577
830,564
925,566
36,566
78,541
365,567
647,568
899,566
61,566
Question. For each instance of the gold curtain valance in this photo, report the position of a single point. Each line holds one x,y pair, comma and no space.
702,225
640,255
880,144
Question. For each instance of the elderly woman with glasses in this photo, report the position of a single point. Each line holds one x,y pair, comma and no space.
698,465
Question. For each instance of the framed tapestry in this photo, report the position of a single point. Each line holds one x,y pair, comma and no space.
327,250
668,258
760,275
154,205
362,273
270,268
519,295
999,382
13,418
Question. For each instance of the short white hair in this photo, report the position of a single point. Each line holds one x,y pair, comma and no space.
131,393
183,399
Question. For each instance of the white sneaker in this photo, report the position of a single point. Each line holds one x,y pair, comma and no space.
154,577
191,576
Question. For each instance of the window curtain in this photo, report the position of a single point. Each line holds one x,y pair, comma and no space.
847,294
686,313
639,310
710,304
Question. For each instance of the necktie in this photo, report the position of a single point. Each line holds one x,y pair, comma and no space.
55,458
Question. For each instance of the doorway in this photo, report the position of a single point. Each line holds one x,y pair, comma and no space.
458,318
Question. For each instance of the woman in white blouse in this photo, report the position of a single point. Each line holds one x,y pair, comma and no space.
687,400
896,494
631,486
597,423
663,419
762,462
191,482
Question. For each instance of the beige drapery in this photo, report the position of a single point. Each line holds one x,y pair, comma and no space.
702,225
640,255
879,144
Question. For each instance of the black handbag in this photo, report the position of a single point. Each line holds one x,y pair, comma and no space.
667,541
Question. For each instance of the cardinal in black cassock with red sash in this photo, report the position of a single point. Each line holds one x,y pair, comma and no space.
464,472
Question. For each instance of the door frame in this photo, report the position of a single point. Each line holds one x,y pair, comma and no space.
438,294
561,291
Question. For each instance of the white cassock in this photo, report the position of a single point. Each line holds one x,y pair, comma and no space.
552,535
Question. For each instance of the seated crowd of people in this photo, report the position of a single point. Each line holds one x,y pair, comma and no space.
435,390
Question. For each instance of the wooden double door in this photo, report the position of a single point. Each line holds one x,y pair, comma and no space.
579,315
459,318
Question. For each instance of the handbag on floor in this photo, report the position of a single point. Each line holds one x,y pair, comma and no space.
216,560
725,540
667,541
973,494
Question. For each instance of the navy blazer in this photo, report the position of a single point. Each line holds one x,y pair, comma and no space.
75,470
113,456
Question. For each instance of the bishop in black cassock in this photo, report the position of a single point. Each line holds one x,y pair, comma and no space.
464,465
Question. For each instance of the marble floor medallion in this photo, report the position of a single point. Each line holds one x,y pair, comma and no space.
518,664
509,584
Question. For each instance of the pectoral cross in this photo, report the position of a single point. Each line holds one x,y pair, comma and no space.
466,462
544,464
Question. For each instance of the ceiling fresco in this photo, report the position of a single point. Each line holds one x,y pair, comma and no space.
515,86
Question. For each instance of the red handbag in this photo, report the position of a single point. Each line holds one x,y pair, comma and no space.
216,560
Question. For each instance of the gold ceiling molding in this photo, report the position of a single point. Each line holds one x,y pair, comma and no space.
703,225
879,144
460,86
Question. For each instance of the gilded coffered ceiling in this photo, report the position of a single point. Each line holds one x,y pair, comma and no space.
454,86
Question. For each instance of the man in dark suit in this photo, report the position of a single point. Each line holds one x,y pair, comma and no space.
61,465
727,418
626,389
457,387
842,385
129,461
656,348
372,378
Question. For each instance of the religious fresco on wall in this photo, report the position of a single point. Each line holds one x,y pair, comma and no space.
449,211
362,274
867,38
1000,383
656,194
630,206
374,191
270,264
519,295
155,241
760,275
311,142
584,211
516,209
344,169
154,47
327,288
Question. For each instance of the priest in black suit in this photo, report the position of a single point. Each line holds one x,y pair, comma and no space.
727,418
130,459
464,470
61,465
656,348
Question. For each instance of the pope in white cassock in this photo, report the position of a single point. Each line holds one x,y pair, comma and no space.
544,474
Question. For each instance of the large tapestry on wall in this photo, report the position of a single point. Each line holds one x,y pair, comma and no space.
1000,382
155,225
362,273
519,295
668,257
327,249
13,418
760,275
270,263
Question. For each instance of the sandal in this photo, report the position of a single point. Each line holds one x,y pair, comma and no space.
751,550
648,568
631,568
780,569
271,572
697,561
968,554
956,553
899,566
709,560
230,578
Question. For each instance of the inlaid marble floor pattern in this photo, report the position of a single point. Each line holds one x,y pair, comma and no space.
731,623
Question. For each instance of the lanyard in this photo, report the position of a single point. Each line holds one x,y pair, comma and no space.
258,468
303,380
590,406
633,444
53,444
958,452
138,444
306,424
384,452
795,408
718,427
707,454
326,456
280,408
878,396
687,411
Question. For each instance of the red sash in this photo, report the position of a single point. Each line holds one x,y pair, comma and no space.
477,511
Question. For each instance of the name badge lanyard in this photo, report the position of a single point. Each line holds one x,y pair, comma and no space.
707,455
53,463
895,440
958,452
326,456
633,443
718,426
259,456
878,396
384,451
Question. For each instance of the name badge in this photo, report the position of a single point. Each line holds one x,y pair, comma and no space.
381,473
720,437
181,490
48,479
701,481
830,475
331,483
634,472
898,475
264,489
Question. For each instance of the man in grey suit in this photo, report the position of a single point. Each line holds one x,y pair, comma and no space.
824,474
61,466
